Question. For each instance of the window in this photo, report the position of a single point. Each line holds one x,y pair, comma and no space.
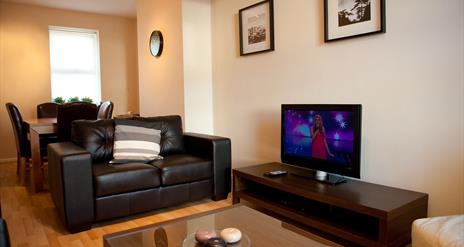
75,63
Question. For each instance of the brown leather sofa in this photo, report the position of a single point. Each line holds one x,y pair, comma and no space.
86,189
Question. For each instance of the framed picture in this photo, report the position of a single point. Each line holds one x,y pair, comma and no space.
256,24
353,18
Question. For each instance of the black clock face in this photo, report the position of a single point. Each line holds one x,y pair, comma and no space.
156,43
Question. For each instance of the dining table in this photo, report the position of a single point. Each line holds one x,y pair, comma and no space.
38,127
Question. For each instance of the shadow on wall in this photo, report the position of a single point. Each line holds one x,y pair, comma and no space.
237,35
267,131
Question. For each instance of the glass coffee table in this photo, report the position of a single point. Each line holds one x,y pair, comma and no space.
258,229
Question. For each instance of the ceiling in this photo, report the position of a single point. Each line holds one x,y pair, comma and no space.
110,7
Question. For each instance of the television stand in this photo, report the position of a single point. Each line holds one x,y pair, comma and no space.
352,213
321,177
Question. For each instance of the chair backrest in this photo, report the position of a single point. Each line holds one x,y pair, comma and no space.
105,110
20,131
69,112
47,110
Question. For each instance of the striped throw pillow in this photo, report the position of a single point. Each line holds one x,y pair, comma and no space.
134,142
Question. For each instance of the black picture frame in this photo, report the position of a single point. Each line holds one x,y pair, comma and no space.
263,44
328,21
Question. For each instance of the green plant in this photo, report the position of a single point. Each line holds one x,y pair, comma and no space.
73,99
87,99
59,100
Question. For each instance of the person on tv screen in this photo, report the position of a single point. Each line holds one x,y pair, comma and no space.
319,147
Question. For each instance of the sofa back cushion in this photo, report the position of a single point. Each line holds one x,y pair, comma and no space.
95,136
171,133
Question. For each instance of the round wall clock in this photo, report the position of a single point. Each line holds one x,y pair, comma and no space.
156,43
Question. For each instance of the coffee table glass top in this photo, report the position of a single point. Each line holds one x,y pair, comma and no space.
261,229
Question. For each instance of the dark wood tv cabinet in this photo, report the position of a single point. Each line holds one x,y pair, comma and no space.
350,213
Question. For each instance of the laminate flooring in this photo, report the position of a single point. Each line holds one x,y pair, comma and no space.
32,219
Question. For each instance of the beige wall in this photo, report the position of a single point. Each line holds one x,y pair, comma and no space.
198,74
161,85
25,62
409,80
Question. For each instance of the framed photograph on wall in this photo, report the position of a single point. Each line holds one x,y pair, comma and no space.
256,23
353,18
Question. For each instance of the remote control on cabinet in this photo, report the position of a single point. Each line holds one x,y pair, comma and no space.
275,173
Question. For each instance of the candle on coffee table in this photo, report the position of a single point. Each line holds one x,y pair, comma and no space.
203,235
231,235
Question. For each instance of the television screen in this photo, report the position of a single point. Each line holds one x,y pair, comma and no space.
325,135
322,137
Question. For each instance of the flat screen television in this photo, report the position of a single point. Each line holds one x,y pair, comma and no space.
323,138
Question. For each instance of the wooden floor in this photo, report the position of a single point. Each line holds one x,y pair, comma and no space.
32,220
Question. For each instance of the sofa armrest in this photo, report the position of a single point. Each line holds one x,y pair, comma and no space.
4,236
217,149
71,186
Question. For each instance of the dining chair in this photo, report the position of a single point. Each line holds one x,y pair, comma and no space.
69,112
23,146
47,110
105,110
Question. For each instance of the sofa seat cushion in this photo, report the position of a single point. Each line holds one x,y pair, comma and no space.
183,168
115,179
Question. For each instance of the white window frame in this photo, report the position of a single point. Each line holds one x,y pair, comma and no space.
97,49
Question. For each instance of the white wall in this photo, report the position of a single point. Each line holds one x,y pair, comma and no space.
198,81
409,80
161,86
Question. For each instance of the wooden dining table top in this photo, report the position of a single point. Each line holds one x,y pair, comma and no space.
40,121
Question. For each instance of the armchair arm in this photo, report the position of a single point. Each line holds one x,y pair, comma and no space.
70,175
217,149
4,236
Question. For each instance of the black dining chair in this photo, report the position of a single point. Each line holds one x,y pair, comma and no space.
23,144
47,110
69,112
105,110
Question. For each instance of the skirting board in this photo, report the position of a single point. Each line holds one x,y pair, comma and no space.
7,160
